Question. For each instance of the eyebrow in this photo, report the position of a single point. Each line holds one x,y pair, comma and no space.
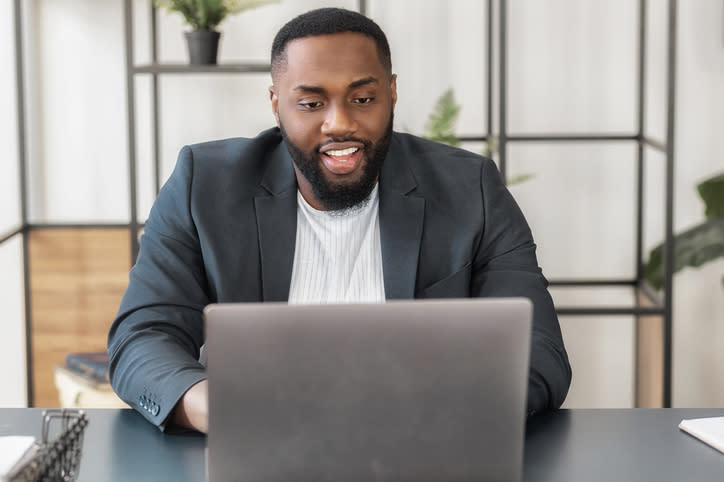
365,81
309,88
353,85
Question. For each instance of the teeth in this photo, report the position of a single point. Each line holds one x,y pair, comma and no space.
342,152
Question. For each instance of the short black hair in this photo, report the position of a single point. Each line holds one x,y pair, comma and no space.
326,21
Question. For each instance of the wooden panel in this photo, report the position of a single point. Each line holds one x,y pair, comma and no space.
77,279
649,358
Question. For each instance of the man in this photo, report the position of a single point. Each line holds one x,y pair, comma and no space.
330,206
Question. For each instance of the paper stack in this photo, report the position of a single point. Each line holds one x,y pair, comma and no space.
709,430
13,449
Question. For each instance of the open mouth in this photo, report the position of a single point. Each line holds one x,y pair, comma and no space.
342,154
342,161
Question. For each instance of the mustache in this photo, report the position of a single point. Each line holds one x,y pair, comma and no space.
332,140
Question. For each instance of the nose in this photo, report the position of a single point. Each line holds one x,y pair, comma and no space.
338,122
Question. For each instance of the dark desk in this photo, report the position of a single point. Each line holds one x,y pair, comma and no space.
568,445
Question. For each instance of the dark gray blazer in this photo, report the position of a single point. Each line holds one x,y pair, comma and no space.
223,229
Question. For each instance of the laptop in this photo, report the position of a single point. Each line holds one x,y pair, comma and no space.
424,390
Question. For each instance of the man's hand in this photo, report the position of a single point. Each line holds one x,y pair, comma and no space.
192,411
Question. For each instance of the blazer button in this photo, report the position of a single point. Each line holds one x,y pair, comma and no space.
142,401
156,409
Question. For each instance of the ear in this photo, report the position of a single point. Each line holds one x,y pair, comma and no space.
393,90
274,103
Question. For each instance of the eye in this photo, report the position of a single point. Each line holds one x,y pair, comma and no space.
363,100
310,105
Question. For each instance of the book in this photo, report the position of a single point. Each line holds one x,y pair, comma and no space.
708,430
94,365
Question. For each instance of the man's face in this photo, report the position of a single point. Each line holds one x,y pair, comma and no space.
334,102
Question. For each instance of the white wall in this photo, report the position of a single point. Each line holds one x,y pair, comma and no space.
76,97
10,216
699,294
572,68
12,326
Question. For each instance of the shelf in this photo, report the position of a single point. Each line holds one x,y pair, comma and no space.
609,310
606,298
202,69
9,234
592,282
560,138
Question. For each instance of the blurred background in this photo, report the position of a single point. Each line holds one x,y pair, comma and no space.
572,70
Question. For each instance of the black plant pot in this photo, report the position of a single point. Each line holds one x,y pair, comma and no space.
203,46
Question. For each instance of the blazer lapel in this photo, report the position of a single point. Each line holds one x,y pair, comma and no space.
276,218
401,222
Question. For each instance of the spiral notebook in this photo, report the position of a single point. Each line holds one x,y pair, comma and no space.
708,430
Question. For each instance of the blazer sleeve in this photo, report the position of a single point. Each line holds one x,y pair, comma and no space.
155,339
504,265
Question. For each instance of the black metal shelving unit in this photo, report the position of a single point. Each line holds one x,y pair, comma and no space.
655,303
658,304
22,154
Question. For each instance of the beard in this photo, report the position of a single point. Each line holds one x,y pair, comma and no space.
341,197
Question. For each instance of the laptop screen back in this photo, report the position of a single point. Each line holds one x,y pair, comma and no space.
405,390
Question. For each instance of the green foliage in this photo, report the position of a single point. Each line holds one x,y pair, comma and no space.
519,178
694,247
207,14
491,146
698,245
712,192
440,125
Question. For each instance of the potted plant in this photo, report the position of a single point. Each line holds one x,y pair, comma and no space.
203,16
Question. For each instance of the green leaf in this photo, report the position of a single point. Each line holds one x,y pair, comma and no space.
712,193
520,178
208,14
694,247
490,147
238,6
440,125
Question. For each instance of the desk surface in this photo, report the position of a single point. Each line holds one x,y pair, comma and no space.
567,445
